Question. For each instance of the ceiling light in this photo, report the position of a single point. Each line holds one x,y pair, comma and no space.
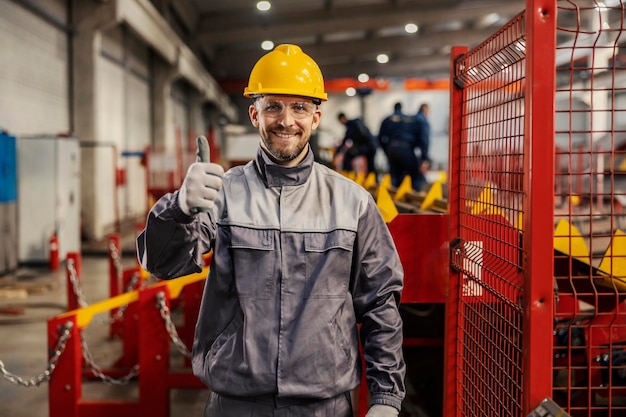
411,28
363,77
264,6
350,92
267,45
382,58
488,20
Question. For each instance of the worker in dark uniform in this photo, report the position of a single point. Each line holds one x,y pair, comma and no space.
423,144
399,136
357,141
303,267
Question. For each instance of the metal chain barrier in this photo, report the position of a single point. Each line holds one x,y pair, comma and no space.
78,292
115,255
44,377
82,302
122,310
119,273
97,370
169,325
87,355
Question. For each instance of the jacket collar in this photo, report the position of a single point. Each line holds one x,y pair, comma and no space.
274,175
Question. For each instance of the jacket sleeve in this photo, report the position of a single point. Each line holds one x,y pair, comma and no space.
376,290
172,243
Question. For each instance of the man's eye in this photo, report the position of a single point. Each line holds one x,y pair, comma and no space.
273,107
299,107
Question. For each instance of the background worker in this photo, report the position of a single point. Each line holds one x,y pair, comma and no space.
357,141
423,134
399,135
301,257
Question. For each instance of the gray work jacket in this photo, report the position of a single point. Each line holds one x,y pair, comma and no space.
301,256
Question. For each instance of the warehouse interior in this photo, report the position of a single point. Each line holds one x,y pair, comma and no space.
515,281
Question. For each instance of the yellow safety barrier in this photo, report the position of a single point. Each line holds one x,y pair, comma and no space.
370,181
434,193
569,240
175,286
404,188
484,202
385,182
614,262
386,206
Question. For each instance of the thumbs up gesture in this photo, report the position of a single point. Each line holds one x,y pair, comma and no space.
202,182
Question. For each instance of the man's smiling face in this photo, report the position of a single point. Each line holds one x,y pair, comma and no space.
285,126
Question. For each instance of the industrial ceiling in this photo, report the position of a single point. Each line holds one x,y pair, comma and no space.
345,37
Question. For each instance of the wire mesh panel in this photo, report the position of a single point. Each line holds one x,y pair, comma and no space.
501,123
488,253
590,191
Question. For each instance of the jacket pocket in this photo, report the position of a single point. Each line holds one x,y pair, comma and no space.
220,359
328,259
254,260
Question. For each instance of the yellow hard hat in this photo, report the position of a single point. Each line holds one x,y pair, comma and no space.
286,71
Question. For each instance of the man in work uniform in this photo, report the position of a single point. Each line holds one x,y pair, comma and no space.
301,258
400,135
357,141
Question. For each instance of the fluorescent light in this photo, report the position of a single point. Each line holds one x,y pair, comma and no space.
264,6
382,58
267,45
411,28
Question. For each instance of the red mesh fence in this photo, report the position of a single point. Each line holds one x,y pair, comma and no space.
589,376
510,139
491,200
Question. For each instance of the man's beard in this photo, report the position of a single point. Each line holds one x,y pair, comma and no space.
283,155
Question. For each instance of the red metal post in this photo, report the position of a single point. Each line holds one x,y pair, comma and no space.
451,379
538,239
65,387
130,340
154,354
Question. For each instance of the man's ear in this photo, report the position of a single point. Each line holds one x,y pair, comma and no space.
317,116
254,115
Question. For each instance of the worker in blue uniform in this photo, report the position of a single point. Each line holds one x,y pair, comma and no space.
400,135
303,270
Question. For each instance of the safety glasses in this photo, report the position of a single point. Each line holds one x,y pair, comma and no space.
271,107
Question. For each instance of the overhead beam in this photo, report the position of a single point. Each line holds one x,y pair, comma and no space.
349,57
227,29
436,65
402,45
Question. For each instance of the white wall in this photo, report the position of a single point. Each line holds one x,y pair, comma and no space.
33,73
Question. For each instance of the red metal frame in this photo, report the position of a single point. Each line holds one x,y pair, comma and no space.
573,289
152,353
539,182
501,189
422,244
451,343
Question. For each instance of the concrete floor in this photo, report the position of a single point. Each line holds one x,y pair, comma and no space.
40,294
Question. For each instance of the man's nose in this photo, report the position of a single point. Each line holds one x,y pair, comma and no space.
286,118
